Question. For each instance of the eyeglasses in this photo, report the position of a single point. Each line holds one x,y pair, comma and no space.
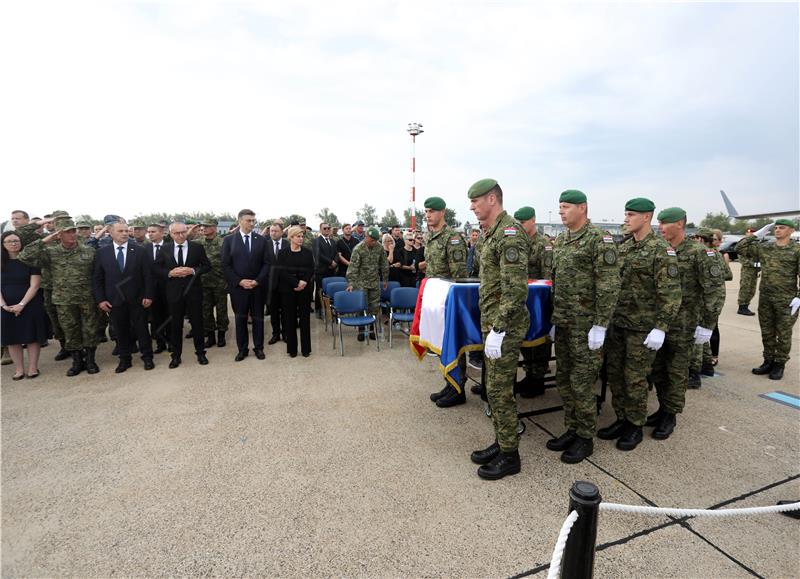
326,228
12,241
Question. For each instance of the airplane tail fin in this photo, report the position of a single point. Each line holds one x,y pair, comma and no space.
728,205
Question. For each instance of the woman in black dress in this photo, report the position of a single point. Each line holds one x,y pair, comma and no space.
23,317
295,269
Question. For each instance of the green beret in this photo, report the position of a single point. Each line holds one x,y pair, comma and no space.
671,215
481,188
209,222
705,233
572,196
435,203
190,222
374,233
640,205
64,223
786,222
156,225
139,225
525,213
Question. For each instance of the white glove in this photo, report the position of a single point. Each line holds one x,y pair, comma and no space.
597,335
762,233
702,335
794,305
552,333
655,339
494,343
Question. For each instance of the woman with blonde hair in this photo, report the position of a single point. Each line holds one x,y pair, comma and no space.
295,270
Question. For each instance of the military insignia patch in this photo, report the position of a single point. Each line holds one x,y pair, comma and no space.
548,248
509,231
671,252
710,253
672,270
512,255
610,257
458,255
608,239
455,241
715,270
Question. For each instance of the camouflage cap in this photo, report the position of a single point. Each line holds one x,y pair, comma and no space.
435,203
64,223
481,188
357,223
209,222
58,213
705,233
786,222
525,213
374,233
572,196
83,225
154,224
301,221
671,215
640,205
139,225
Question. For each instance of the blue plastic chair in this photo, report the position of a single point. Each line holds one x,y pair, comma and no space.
402,304
329,289
385,298
351,310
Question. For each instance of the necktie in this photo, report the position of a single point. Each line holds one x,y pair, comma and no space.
180,255
247,243
277,248
158,249
120,258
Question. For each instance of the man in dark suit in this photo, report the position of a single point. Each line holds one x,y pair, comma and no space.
159,313
325,262
122,287
245,265
180,264
275,243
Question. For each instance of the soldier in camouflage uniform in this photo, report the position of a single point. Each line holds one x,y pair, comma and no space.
748,281
504,323
535,359
308,237
445,257
779,296
649,298
215,292
701,276
70,263
585,288
368,266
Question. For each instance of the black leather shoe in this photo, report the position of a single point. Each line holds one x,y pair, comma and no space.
122,366
174,363
190,335
148,364
306,354
665,426
202,360
631,438
765,368
654,418
694,381
707,369
62,353
240,355
274,340
372,336
211,340
777,371
578,450
259,354
744,310
613,431
453,398
563,442
477,389
502,465
221,343
360,337
486,455
441,393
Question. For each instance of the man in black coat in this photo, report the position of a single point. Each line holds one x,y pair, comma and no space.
181,264
159,312
275,244
326,262
245,265
123,288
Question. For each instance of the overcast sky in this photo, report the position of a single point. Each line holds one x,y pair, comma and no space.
288,107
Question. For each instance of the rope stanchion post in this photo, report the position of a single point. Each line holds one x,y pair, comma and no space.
578,561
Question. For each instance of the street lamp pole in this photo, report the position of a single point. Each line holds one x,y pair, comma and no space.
414,129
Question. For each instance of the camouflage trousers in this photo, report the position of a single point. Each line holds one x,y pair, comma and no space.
628,362
373,300
701,354
215,298
776,322
52,314
500,377
748,280
671,370
536,359
79,323
577,369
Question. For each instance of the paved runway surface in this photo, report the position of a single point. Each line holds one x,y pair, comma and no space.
332,466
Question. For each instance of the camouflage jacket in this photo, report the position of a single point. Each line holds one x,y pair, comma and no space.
780,266
504,277
70,270
308,240
540,259
445,254
367,266
701,278
586,279
650,292
27,235
213,247
476,258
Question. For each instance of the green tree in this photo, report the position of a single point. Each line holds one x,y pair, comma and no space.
716,221
389,218
407,218
450,218
326,216
291,218
368,214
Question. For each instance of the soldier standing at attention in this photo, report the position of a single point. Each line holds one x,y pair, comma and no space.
649,298
215,293
70,264
748,281
701,276
368,265
540,261
445,257
585,288
504,323
779,296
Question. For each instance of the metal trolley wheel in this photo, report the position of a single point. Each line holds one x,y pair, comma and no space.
520,427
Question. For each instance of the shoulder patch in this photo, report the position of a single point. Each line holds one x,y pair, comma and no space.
671,252
458,255
710,252
510,231
512,255
672,270
608,239
548,248
715,270
610,256
455,241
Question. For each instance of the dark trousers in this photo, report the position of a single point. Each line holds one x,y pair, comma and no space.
193,307
318,277
248,304
275,312
715,341
130,321
297,305
159,318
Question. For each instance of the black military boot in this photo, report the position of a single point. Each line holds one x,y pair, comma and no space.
613,431
361,330
765,368
707,369
77,363
744,310
91,365
563,442
504,464
777,371
578,450
452,398
654,418
694,381
631,438
221,339
63,353
211,340
486,455
529,387
441,393
665,426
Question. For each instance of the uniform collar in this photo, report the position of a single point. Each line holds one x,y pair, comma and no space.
500,218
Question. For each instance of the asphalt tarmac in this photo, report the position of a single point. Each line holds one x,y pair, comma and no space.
341,466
